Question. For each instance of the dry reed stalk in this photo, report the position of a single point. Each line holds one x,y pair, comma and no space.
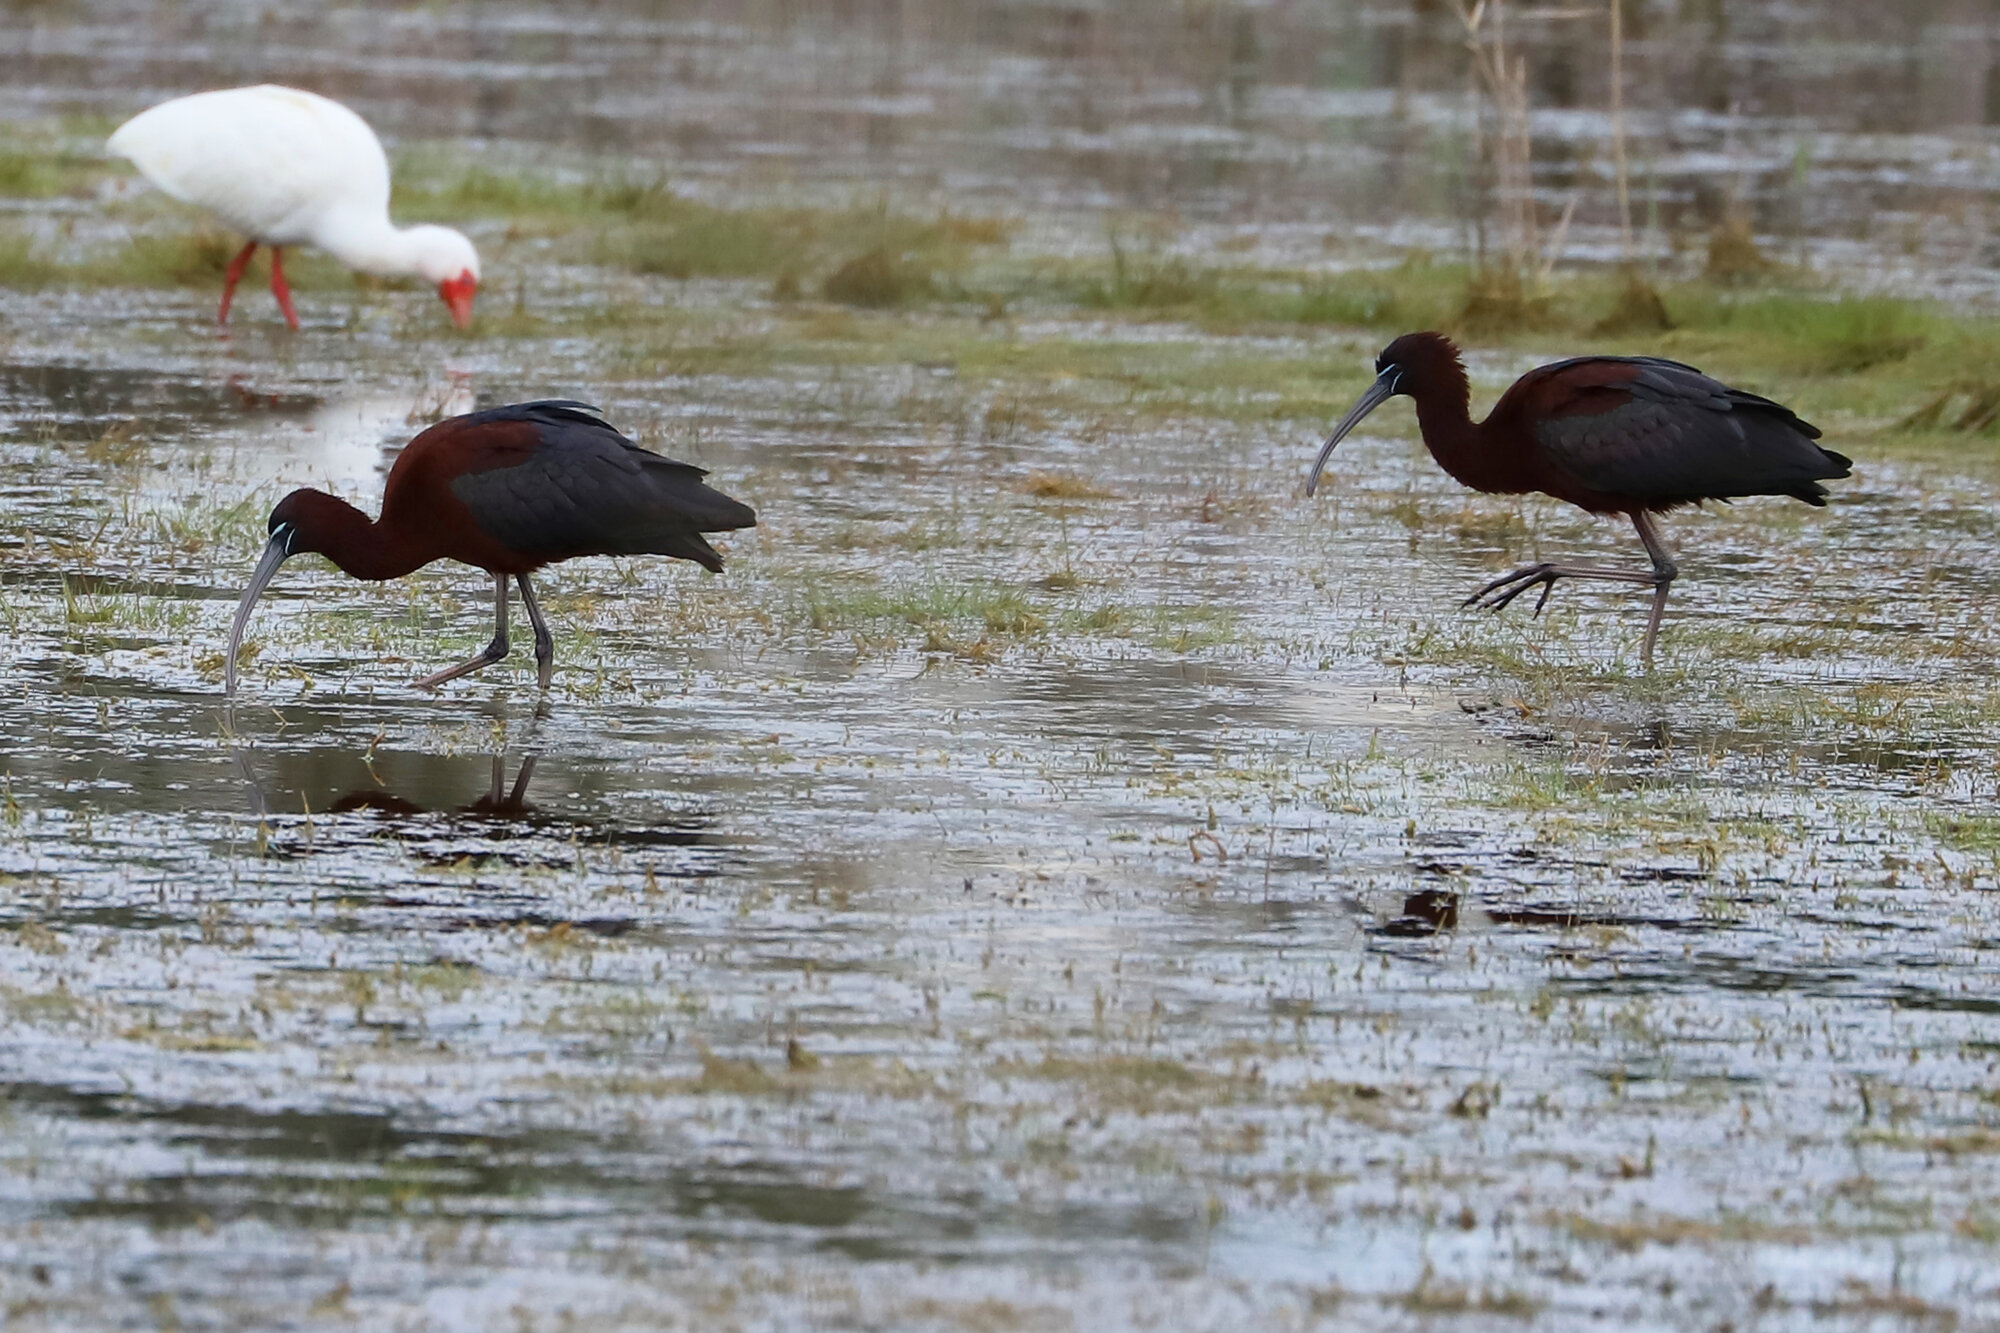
1618,156
1505,79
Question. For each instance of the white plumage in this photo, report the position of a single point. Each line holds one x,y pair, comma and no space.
287,167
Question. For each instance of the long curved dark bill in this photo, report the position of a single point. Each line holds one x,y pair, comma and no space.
1377,394
275,554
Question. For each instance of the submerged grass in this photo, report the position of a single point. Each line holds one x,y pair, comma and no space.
1125,918
934,607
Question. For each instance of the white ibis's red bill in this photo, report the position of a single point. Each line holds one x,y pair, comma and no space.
286,167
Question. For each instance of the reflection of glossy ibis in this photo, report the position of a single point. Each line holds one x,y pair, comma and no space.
1612,434
498,801
507,490
286,167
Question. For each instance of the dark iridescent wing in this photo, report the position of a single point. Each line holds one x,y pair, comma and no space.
577,487
1664,433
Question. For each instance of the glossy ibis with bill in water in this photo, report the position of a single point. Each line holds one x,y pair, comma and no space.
1632,435
507,490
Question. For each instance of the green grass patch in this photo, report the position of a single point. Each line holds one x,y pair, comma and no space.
1875,370
1415,295
197,258
40,162
427,195
872,256
29,175
1809,332
706,243
878,278
1149,282
952,606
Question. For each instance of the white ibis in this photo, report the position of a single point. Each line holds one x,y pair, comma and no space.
286,167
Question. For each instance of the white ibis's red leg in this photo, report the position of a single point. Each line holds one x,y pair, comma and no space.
545,642
231,276
1507,587
488,655
280,288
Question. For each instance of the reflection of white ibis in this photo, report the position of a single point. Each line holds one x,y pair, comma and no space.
286,167
351,438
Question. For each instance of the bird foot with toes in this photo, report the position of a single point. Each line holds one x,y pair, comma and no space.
1507,587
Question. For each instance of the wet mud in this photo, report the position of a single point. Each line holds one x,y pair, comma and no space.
1058,876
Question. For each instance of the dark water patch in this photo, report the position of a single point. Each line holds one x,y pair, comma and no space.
1912,997
608,928
1429,911
85,399
1724,974
327,1169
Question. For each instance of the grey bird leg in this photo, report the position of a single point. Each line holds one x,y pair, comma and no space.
488,655
1664,571
545,642
498,799
519,796
1507,587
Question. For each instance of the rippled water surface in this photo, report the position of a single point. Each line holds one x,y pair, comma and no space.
1058,876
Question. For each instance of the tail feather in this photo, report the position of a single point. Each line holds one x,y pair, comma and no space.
679,491
1790,459
690,546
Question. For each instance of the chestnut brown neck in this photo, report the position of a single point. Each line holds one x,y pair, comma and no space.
1435,377
363,549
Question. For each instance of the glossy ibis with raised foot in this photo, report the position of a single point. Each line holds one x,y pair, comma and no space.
1632,435
507,490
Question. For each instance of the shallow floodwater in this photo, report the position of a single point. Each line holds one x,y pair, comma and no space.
1858,138
1057,876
